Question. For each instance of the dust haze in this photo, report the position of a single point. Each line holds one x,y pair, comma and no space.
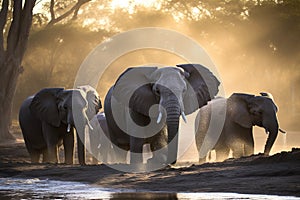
257,53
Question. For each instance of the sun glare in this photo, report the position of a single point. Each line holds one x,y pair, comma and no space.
127,3
120,3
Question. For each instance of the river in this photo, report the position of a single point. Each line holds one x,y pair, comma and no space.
18,188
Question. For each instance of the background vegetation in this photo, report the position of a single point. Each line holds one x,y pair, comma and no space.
254,43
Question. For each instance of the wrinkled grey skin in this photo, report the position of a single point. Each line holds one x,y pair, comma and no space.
178,90
102,148
243,111
47,121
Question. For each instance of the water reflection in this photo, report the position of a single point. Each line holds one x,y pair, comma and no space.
15,188
144,196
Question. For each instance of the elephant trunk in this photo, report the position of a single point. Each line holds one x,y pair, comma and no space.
80,145
81,121
173,113
272,129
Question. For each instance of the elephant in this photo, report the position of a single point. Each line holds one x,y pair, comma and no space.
99,144
242,112
145,104
48,118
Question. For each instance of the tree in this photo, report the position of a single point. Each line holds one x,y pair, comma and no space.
53,57
61,4
12,48
13,44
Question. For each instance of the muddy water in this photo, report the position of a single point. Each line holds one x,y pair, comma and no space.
15,188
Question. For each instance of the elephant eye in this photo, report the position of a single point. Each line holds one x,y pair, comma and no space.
184,90
156,91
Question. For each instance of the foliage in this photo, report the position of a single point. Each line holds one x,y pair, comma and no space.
253,42
53,57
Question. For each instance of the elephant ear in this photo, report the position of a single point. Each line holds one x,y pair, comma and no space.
134,89
44,106
93,99
202,86
238,109
270,96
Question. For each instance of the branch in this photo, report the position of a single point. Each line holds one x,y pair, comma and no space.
14,27
52,10
74,9
3,18
25,25
75,13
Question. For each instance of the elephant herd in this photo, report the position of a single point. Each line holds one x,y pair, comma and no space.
144,106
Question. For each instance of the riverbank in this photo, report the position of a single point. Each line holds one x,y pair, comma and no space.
277,175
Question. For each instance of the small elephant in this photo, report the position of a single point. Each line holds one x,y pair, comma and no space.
48,119
145,103
99,144
241,112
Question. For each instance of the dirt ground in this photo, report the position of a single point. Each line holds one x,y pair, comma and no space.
278,174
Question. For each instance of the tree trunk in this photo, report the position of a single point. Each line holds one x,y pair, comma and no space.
9,75
11,57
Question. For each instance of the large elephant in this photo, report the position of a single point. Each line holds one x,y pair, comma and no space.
48,119
145,103
242,112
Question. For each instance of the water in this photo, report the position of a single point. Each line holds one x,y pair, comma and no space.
17,188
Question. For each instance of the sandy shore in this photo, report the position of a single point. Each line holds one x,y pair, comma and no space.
278,174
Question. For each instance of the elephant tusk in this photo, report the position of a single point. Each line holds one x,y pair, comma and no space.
266,131
282,131
69,128
90,126
88,123
183,117
159,118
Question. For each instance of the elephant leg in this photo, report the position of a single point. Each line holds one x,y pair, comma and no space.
238,145
53,154
222,153
202,160
158,146
136,150
238,150
119,156
81,148
52,138
159,154
104,152
249,147
45,156
95,152
68,143
98,153
248,143
35,156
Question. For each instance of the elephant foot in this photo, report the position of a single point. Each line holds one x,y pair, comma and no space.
51,162
157,161
69,163
202,160
136,158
